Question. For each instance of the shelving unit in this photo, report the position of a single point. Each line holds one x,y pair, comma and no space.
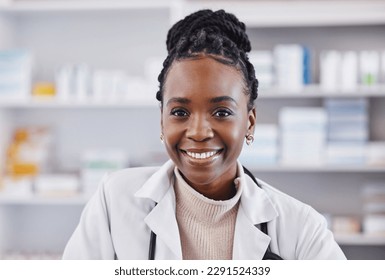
17,6
54,104
29,200
299,13
121,35
314,91
321,169
360,240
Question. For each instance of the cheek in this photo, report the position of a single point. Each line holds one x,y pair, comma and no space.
238,139
234,136
171,132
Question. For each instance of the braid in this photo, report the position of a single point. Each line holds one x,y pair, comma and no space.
217,34
179,29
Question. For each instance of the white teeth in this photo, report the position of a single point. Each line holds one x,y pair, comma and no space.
201,155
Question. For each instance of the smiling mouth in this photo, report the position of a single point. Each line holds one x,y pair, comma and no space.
204,155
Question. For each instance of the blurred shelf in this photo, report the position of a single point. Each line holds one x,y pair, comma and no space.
326,169
253,13
42,200
30,256
16,6
298,13
87,104
360,239
315,91
311,91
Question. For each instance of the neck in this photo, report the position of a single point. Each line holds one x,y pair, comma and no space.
222,188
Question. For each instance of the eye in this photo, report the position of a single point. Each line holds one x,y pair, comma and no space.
178,112
223,113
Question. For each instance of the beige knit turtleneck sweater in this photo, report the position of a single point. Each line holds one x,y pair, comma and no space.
206,226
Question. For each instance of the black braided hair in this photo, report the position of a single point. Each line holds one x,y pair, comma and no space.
219,35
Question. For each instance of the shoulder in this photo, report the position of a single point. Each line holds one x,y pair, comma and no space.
277,195
127,181
291,211
135,186
298,231
131,176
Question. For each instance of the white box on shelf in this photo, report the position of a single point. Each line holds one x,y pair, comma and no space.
56,185
373,197
152,68
109,85
344,105
265,134
346,225
138,90
345,152
64,82
348,130
264,150
302,146
17,187
330,70
349,71
289,67
382,74
375,153
82,82
263,62
369,67
259,155
97,163
374,224
311,117
302,135
15,74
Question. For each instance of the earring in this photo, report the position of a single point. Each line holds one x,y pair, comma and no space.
161,137
249,139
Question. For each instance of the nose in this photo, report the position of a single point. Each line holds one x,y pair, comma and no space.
199,129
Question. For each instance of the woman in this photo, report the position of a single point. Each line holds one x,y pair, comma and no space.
202,204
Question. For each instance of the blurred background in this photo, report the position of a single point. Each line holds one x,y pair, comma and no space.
77,99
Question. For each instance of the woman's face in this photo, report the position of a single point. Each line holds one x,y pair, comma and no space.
205,121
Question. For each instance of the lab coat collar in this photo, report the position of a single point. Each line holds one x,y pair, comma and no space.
255,208
250,243
161,219
255,202
156,187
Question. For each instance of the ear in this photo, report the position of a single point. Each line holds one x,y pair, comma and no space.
252,120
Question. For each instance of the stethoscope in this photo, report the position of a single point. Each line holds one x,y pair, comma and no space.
269,255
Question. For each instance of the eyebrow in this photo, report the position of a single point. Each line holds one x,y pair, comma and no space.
223,98
178,100
217,99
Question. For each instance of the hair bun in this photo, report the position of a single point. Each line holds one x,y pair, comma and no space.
220,22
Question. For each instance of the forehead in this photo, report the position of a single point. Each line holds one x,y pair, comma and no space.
203,78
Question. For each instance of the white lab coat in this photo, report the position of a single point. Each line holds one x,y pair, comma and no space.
117,221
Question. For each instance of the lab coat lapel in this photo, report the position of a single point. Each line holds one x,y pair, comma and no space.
249,242
255,208
161,218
